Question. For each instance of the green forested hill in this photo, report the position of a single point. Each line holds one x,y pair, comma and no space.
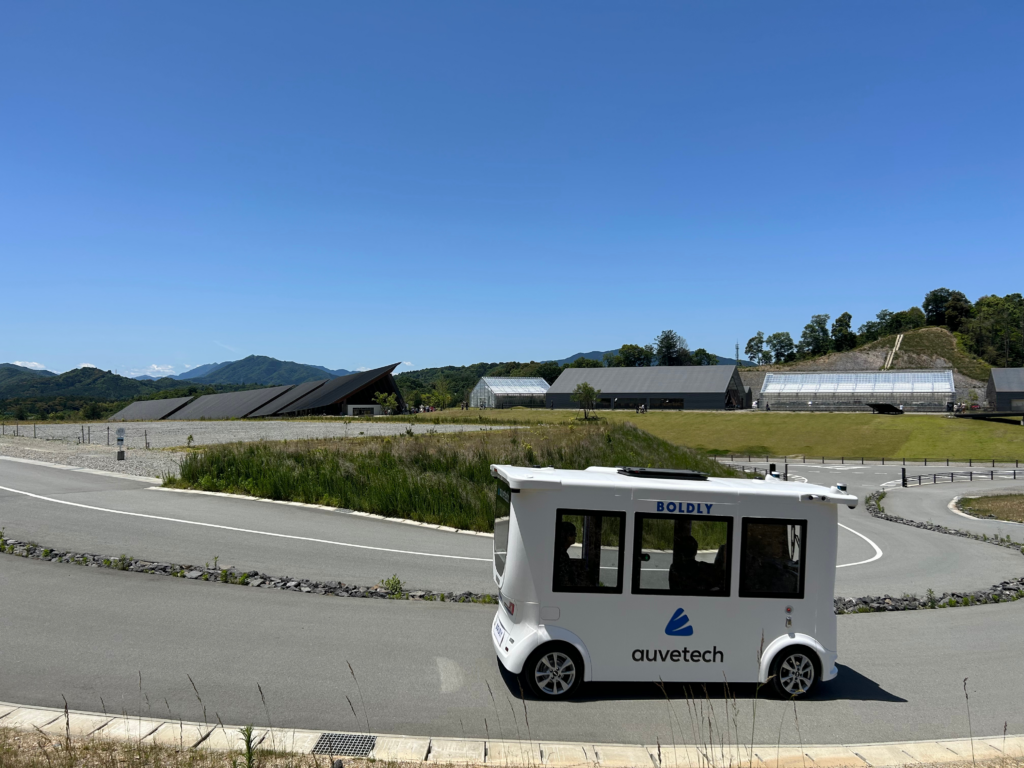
258,369
81,382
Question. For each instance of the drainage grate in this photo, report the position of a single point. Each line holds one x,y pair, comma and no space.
353,744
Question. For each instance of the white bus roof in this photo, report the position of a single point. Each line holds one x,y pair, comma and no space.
548,478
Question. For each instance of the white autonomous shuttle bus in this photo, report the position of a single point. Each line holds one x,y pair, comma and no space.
654,574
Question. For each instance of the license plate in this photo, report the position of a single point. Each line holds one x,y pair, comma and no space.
499,631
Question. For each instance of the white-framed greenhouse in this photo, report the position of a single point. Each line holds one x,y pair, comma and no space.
508,392
855,391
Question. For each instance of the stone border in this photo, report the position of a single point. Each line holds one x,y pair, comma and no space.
875,509
235,576
519,753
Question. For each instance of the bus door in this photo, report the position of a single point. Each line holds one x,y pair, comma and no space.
682,621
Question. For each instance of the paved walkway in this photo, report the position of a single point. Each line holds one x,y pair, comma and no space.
519,752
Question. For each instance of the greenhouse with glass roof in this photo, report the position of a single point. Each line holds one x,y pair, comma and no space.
858,391
495,392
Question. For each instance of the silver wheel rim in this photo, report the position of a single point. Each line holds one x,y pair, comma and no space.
796,674
554,673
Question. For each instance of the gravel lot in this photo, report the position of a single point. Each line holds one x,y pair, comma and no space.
64,443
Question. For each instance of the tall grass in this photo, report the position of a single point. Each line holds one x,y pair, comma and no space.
443,479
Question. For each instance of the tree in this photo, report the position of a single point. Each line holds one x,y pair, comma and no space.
934,305
670,349
815,340
585,362
586,396
20,413
701,356
630,356
388,402
843,338
958,310
442,393
755,347
782,347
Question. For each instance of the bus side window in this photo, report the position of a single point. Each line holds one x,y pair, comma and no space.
682,555
588,551
772,558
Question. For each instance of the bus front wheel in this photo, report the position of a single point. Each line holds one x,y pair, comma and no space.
794,672
554,671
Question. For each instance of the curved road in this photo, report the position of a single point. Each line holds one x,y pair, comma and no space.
424,668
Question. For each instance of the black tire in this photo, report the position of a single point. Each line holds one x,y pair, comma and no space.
554,671
795,672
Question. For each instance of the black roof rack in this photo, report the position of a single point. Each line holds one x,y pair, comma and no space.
663,474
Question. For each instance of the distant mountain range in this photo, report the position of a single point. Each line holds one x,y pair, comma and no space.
16,381
255,369
19,381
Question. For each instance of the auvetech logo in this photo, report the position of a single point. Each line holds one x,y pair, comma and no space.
679,624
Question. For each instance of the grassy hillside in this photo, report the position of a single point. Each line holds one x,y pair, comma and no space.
930,347
442,479
925,347
259,369
815,434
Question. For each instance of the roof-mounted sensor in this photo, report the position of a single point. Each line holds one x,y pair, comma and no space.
662,474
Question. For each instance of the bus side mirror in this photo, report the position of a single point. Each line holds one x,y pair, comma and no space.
645,558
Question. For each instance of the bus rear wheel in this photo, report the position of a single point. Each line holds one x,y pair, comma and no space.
554,671
794,673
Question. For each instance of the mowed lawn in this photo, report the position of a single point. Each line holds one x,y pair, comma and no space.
788,434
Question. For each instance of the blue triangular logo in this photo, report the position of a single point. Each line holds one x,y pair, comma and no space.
678,624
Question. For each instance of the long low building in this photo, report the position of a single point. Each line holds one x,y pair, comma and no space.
676,388
1005,390
351,395
929,390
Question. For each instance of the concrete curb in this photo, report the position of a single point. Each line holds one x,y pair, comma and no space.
952,508
419,749
399,520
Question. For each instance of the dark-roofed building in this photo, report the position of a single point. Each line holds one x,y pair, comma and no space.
294,395
229,405
691,388
1006,389
350,395
151,410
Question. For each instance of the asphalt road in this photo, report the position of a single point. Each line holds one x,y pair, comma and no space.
424,668
81,512
364,550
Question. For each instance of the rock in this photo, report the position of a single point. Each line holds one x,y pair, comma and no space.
256,582
193,574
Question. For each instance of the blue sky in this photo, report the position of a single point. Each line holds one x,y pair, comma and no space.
354,184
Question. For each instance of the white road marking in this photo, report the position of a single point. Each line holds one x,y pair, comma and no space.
878,552
243,530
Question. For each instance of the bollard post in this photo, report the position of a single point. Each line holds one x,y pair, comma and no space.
904,474
862,461
947,462
970,462
90,434
33,431
993,462
785,472
883,461
108,436
842,459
